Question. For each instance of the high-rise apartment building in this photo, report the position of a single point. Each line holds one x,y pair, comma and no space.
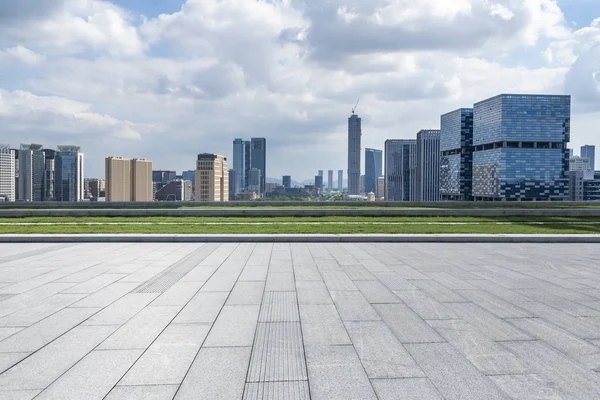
118,179
212,178
68,174
319,182
7,173
141,180
456,162
521,147
258,159
31,172
577,163
400,169
49,174
287,181
239,165
589,151
340,181
373,169
428,165
354,138
330,180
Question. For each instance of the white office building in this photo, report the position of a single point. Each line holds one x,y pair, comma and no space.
7,173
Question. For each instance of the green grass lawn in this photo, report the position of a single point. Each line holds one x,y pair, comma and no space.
199,225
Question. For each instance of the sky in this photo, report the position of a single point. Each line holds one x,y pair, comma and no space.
166,80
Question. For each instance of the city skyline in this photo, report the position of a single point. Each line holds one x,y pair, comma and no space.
168,88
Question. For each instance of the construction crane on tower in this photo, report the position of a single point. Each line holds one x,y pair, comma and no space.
356,105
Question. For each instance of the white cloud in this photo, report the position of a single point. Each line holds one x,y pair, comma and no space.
289,70
21,54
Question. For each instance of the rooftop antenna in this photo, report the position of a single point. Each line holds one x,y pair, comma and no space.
356,105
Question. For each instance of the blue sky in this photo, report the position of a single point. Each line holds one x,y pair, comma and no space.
117,79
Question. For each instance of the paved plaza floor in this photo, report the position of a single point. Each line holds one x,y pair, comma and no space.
298,321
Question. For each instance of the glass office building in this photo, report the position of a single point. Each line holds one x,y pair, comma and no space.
68,174
456,161
428,165
400,169
520,147
373,169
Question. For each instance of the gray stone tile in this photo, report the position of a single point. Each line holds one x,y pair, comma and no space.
406,272
359,273
43,367
20,394
488,356
280,282
168,359
567,306
308,272
235,326
394,281
277,354
528,387
437,291
572,378
217,373
313,292
106,296
495,305
203,308
220,282
336,373
487,323
45,331
376,292
380,352
179,294
200,273
122,310
287,390
406,325
337,280
30,316
321,325
255,272
144,274
31,298
577,326
140,331
405,389
246,293
450,281
279,307
352,306
424,305
93,377
149,392
7,360
95,284
453,375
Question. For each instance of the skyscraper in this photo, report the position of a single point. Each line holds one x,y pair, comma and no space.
400,169
340,181
258,160
239,165
68,176
428,165
521,147
31,172
233,181
373,169
330,180
254,180
141,180
319,182
354,138
287,181
589,151
456,147
247,165
212,178
7,173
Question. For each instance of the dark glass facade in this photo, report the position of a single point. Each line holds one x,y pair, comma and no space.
520,147
456,162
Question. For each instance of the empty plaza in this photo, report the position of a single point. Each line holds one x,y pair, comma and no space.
299,321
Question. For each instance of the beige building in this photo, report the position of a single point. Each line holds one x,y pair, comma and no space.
212,178
141,180
128,180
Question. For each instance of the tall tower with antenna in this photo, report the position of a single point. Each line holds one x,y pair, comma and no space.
354,137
